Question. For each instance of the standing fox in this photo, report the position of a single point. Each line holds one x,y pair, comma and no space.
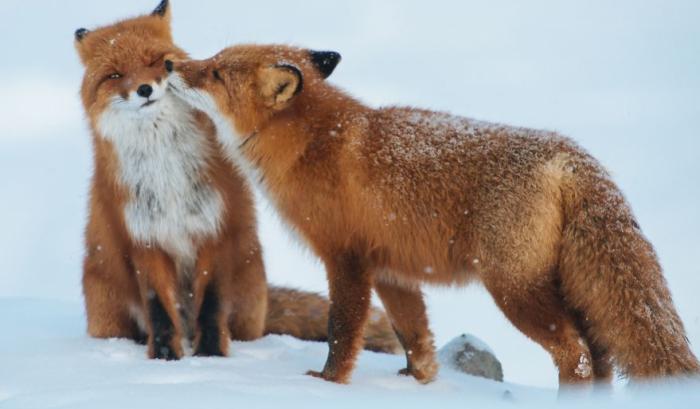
171,245
395,197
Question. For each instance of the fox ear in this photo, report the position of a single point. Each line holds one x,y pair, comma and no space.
162,10
325,61
81,33
279,84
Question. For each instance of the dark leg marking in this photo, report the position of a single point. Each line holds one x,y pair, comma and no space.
163,330
140,338
210,336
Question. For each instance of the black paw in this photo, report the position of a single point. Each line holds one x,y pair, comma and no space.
164,352
209,344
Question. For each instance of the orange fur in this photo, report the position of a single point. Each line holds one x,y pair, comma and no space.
149,289
396,197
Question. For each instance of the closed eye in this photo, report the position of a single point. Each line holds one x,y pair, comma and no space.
114,76
157,61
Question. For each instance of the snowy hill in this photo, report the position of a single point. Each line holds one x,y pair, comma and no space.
622,78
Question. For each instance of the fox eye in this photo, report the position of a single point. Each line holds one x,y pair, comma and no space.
216,75
114,76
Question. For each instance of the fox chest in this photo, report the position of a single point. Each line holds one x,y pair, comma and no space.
171,203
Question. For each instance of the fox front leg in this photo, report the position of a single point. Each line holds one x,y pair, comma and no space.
407,312
157,284
350,292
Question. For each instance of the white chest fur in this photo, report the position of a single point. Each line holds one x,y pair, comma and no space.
162,160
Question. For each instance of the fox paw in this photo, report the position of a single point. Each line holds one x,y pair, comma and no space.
327,377
209,344
165,352
167,349
423,376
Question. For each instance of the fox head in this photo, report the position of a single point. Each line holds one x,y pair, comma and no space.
245,86
124,70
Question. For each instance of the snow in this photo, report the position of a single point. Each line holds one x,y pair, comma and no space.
49,362
621,78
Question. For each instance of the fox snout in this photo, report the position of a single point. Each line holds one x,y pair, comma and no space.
147,93
187,81
192,72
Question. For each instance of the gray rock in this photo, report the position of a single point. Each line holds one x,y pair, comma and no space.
470,355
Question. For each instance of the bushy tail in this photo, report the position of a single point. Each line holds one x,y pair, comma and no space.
304,315
611,275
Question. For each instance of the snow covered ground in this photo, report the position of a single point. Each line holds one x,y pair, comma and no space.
48,362
622,78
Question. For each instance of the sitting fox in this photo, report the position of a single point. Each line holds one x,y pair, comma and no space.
391,198
171,245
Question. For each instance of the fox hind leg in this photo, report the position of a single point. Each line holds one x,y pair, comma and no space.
600,355
107,298
249,296
602,365
540,313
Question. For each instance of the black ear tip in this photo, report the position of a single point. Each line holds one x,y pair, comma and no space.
336,55
325,61
81,33
161,9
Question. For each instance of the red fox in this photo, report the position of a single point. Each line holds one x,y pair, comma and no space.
172,251
391,198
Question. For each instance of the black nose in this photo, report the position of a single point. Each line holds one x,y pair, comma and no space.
168,66
144,90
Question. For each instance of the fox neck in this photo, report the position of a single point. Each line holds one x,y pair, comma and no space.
303,157
162,163
309,134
